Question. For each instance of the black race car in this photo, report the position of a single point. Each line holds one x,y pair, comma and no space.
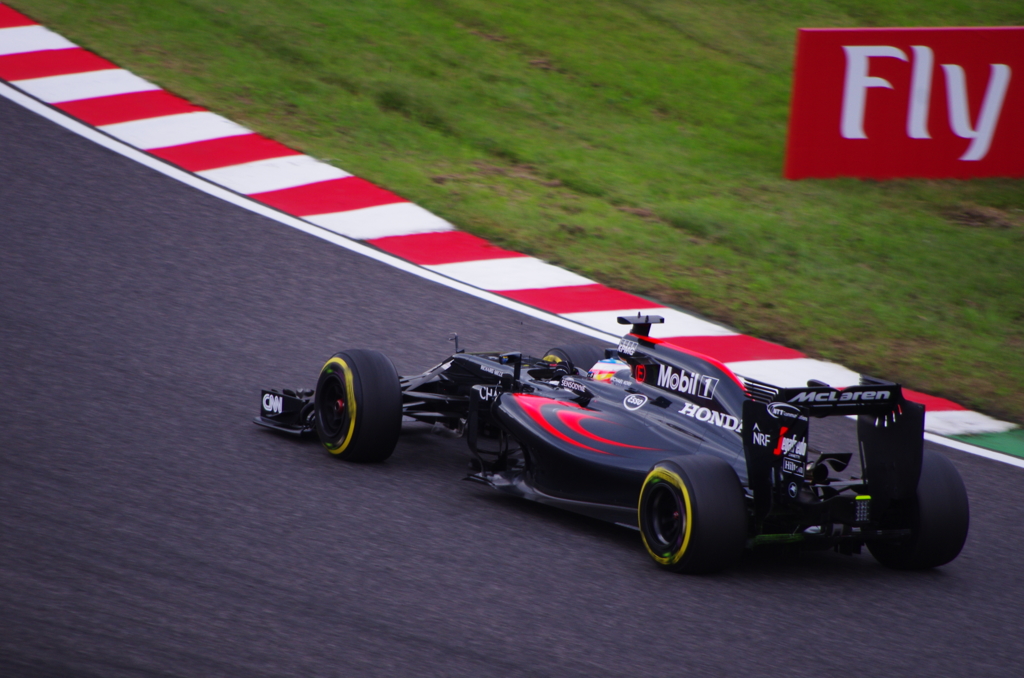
649,435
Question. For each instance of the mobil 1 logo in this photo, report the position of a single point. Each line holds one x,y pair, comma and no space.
686,382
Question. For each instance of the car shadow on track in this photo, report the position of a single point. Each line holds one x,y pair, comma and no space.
438,459
775,564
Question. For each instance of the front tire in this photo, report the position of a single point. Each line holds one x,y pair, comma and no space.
938,518
358,406
692,515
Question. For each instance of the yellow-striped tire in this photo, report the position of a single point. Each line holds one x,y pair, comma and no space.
358,406
692,514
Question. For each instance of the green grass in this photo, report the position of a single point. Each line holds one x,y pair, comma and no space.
1011,442
639,143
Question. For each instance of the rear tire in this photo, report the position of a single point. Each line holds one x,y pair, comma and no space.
938,517
358,406
580,356
693,515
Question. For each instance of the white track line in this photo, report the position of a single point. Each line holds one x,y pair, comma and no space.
274,174
975,450
205,186
175,130
515,273
23,39
382,221
58,89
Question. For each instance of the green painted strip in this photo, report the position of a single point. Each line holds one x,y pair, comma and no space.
1010,442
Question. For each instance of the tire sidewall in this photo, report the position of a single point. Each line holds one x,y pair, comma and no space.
341,367
717,521
666,474
938,517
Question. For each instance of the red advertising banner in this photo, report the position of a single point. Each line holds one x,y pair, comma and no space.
907,102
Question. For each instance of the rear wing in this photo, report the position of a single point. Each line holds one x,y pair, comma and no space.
890,432
824,401
871,396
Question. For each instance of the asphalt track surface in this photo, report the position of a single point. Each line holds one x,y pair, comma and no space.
147,528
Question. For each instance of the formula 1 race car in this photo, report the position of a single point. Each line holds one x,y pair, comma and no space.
650,435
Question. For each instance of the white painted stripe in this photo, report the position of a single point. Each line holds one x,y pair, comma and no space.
515,273
963,422
273,174
24,39
382,221
677,323
58,89
795,372
975,450
174,130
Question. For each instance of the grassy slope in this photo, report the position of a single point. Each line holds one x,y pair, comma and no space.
639,142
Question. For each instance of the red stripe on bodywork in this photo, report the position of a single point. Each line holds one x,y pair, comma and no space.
128,107
736,347
932,403
10,18
50,62
574,419
325,197
533,405
447,247
204,155
578,299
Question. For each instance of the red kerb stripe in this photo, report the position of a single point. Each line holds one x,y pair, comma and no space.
579,299
10,18
427,249
325,197
48,62
127,107
736,347
931,403
204,155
